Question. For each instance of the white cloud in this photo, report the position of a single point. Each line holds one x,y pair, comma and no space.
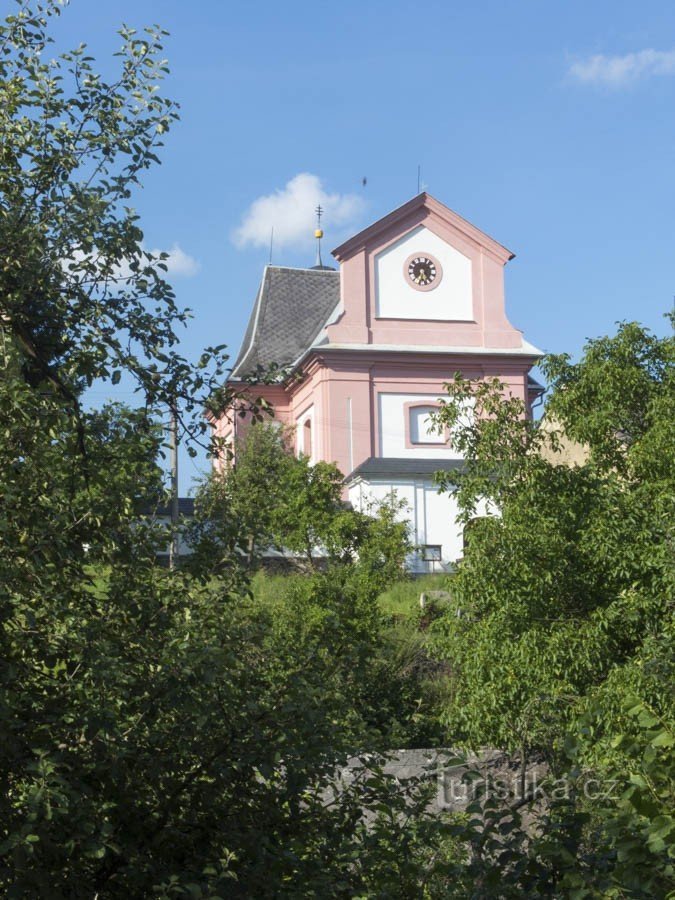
291,212
179,263
617,71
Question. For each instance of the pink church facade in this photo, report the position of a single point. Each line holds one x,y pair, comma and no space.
364,351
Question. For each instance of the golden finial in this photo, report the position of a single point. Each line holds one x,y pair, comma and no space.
318,234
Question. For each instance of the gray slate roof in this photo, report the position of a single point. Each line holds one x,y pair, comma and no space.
383,467
290,310
534,386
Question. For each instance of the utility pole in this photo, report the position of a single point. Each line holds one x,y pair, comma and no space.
173,449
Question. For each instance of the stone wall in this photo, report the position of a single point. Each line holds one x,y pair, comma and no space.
457,778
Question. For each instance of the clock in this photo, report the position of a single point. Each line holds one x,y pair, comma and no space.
422,271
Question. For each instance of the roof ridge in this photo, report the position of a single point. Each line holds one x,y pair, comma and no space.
325,270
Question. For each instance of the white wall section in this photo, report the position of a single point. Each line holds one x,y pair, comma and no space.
396,298
392,416
432,517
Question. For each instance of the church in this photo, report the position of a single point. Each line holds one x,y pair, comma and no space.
363,350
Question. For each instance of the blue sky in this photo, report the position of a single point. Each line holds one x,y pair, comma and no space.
548,125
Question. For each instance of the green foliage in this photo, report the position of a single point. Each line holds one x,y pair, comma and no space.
564,642
234,510
617,396
169,733
160,734
311,516
567,581
381,669
80,297
382,544
269,498
605,831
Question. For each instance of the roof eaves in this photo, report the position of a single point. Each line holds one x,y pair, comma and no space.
534,386
527,349
403,467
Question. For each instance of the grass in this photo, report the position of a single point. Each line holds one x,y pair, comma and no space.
402,600
267,588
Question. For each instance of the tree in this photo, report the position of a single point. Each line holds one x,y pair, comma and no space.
565,637
163,735
234,509
159,734
80,297
272,499
311,517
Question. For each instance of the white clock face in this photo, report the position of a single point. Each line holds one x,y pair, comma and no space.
423,271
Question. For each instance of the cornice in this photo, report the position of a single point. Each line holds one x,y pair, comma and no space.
407,212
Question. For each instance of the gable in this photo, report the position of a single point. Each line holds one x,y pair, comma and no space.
397,297
423,277
418,209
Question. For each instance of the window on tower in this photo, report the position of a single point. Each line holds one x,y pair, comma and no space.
307,437
421,427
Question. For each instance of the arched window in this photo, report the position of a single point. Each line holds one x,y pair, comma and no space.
420,426
307,437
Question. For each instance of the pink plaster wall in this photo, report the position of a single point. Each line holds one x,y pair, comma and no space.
232,425
337,382
342,386
358,322
358,377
